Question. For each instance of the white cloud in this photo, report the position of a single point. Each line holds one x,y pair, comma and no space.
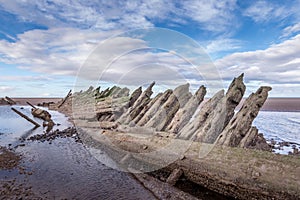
263,11
103,15
220,45
25,78
61,51
46,94
55,51
213,15
290,30
277,64
76,28
5,89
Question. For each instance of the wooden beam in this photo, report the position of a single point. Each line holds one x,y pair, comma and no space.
9,100
174,176
68,95
30,104
25,117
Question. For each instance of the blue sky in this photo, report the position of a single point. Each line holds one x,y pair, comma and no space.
45,45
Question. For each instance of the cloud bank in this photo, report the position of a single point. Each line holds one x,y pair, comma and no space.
278,66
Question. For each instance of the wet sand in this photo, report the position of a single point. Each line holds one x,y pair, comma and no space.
279,105
282,105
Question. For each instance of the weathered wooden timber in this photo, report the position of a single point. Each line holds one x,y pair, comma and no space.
211,144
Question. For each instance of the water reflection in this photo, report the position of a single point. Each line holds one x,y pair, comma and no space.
63,169
13,127
27,134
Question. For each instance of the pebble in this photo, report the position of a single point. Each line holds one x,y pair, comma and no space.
69,132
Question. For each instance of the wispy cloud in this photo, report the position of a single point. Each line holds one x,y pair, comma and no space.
263,11
213,15
109,15
224,44
101,15
8,36
288,31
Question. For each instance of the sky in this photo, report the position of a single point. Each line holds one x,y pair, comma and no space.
48,47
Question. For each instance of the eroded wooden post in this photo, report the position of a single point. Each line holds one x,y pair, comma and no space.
68,95
174,176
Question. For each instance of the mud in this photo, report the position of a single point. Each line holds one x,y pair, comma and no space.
8,159
11,188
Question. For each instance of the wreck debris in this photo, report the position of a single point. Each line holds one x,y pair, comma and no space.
30,104
7,101
40,113
219,117
188,131
177,111
174,176
241,123
138,105
25,117
184,114
44,115
64,100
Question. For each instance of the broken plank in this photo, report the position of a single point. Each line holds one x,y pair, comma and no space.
25,117
68,95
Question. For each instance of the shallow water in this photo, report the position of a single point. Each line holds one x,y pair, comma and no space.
280,126
13,127
63,169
